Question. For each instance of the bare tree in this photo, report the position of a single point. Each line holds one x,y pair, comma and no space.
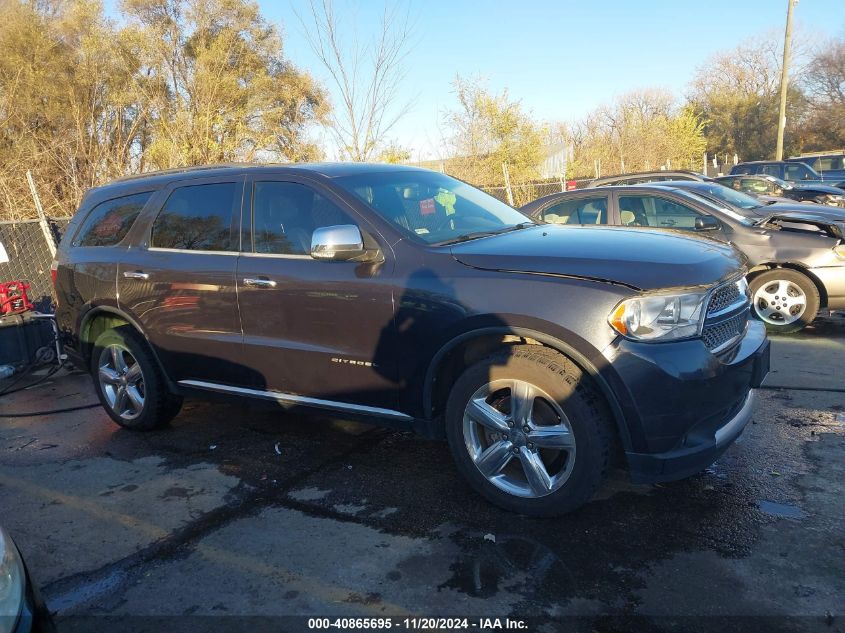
367,77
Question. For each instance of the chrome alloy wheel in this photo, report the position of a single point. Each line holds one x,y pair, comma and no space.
780,302
519,438
121,381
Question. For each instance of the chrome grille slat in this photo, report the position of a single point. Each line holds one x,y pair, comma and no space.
718,334
723,297
726,316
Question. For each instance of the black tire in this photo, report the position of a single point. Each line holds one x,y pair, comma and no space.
587,413
159,405
767,279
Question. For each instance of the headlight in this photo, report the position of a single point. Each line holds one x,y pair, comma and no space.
659,317
840,250
12,584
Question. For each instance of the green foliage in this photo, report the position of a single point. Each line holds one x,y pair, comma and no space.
395,154
489,130
178,82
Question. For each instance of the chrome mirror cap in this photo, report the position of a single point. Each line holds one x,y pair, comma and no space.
340,242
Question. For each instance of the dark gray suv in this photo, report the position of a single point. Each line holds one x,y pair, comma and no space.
543,354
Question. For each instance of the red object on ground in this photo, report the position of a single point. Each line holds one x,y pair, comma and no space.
571,185
13,299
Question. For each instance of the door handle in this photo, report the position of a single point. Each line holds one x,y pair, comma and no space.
137,274
260,283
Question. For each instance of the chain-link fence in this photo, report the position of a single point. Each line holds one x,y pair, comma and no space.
30,257
525,193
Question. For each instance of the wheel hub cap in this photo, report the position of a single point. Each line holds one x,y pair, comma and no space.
780,302
121,382
519,438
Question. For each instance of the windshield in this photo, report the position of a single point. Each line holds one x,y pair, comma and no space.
726,194
433,207
735,213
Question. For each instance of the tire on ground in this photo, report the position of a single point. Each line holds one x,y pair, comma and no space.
588,414
160,405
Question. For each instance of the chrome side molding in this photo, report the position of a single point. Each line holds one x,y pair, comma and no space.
291,399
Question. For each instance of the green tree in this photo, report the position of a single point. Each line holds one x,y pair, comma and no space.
488,130
215,86
177,82
824,84
737,95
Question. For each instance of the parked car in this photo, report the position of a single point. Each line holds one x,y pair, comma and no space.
797,260
647,176
752,205
793,172
408,297
831,165
21,608
772,186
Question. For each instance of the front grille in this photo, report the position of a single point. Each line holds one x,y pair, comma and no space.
724,297
717,334
727,315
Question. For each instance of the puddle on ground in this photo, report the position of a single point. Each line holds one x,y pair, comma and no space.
781,510
514,559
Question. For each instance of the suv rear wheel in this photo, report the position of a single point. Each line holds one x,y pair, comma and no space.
129,383
785,300
528,432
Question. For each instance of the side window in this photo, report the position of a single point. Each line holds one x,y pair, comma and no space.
797,171
581,211
741,169
110,221
757,185
771,170
197,218
828,163
655,212
285,214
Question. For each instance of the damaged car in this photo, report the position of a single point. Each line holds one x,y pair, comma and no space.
796,257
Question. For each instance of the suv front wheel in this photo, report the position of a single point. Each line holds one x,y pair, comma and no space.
129,383
528,431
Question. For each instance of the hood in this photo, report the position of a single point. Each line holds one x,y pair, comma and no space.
639,258
826,223
828,186
835,214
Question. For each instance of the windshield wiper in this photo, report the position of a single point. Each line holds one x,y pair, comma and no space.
477,234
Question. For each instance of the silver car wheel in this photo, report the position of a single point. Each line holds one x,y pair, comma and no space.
519,438
780,302
121,381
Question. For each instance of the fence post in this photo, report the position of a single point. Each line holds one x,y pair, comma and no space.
704,164
42,219
507,183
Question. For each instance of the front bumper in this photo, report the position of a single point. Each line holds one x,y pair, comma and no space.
683,405
686,461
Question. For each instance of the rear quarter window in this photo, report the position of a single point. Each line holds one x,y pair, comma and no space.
109,222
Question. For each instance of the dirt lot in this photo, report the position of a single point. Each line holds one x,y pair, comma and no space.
245,512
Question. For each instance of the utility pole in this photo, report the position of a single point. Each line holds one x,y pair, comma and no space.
784,78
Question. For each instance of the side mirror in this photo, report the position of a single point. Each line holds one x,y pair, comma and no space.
342,242
706,223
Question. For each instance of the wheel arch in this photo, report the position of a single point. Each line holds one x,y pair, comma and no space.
474,344
102,318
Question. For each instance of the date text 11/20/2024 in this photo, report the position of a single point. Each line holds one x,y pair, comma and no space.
419,624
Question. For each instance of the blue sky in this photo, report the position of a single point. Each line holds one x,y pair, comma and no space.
559,58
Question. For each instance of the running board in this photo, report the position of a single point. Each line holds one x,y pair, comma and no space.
293,400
